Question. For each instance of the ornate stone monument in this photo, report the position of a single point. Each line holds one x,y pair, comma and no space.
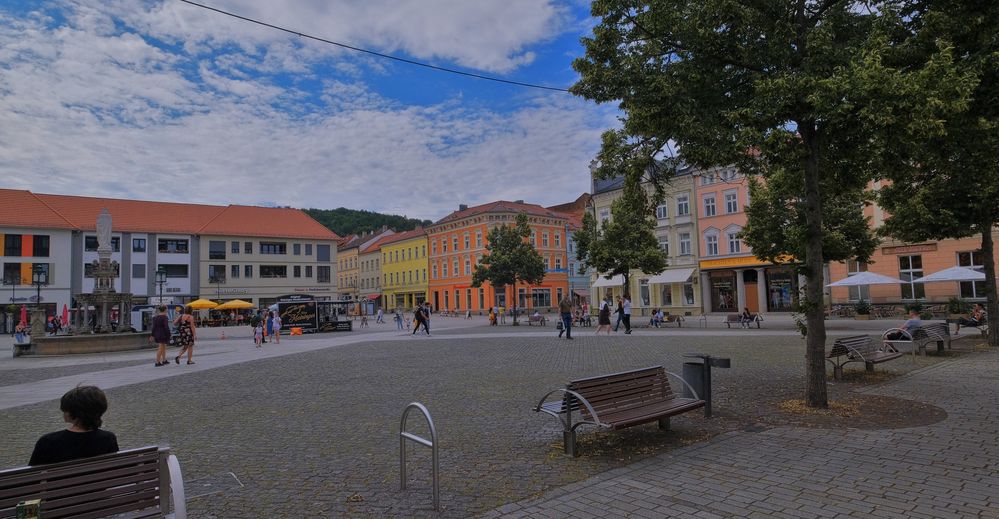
104,297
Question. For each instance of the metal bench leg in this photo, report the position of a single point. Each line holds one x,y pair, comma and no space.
664,424
870,367
569,443
837,372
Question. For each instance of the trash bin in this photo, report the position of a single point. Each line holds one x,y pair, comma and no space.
697,373
693,373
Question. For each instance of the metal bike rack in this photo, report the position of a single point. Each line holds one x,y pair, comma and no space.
432,443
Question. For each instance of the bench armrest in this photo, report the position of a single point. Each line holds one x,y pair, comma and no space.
178,497
906,335
540,407
691,388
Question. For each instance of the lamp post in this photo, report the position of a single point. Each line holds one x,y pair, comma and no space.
161,279
218,280
11,280
39,277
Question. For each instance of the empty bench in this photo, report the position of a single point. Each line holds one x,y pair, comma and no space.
140,482
859,348
617,401
731,319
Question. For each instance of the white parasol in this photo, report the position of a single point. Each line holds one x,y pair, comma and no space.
866,278
953,274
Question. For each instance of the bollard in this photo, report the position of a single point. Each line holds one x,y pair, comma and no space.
698,375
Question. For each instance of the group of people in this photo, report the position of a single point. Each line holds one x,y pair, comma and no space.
160,333
623,312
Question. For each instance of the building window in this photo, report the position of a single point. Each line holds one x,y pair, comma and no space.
604,215
707,179
234,269
558,239
433,271
468,267
860,292
456,271
323,273
423,251
175,271
138,244
248,271
248,247
138,271
12,245
444,269
685,244
662,212
234,247
454,241
468,240
216,250
323,253
558,262
711,245
216,273
478,241
433,247
424,274
534,238
734,243
544,239
688,294
643,293
48,273
972,260
296,271
90,244
664,244
682,205
273,248
274,271
709,205
12,273
541,297
909,268
172,246
666,295
308,249
296,249
731,202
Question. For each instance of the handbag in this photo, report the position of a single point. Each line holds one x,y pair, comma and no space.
559,325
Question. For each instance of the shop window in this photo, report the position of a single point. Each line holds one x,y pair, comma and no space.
910,268
274,271
274,248
688,294
169,246
666,295
643,293
216,250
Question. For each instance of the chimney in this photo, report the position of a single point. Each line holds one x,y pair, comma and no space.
462,207
518,201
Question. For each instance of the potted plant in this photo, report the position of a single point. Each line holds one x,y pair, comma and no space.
958,308
863,310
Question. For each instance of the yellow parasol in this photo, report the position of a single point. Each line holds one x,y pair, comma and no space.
235,304
201,304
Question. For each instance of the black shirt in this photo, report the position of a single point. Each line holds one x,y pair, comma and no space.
66,445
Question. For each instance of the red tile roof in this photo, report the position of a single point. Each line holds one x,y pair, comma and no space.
24,209
402,236
501,206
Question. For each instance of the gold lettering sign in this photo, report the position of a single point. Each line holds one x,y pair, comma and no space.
908,249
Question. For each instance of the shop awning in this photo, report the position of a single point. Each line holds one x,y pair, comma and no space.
672,276
615,281
581,293
374,296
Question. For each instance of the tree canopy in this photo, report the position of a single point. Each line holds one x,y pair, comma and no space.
345,221
796,91
510,259
625,242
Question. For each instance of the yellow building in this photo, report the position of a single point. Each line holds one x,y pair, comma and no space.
404,270
347,267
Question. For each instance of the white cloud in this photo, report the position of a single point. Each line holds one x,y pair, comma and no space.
87,109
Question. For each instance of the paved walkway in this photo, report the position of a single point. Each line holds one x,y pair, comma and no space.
948,470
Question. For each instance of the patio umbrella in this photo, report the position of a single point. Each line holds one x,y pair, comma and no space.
201,304
65,315
953,274
235,304
24,314
866,278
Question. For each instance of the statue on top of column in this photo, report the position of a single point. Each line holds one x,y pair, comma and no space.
104,231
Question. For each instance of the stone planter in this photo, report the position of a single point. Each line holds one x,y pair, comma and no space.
954,317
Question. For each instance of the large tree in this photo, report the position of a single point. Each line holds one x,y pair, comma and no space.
793,89
949,187
510,259
624,243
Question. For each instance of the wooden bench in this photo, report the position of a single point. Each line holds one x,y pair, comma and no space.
670,320
737,319
536,319
859,348
141,482
617,401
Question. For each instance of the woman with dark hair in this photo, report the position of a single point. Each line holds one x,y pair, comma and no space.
185,328
160,333
82,408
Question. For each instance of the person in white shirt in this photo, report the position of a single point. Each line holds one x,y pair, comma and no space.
627,314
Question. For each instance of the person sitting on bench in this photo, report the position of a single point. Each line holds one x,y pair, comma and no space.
907,329
82,408
977,318
746,318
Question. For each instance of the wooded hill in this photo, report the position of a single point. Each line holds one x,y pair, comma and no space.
345,221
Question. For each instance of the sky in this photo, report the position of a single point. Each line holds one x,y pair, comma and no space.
161,100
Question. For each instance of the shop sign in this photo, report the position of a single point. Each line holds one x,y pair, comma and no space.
312,289
909,249
743,261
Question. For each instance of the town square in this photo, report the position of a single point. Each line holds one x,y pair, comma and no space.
533,258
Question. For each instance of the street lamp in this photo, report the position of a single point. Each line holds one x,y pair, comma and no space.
12,280
39,277
218,280
161,279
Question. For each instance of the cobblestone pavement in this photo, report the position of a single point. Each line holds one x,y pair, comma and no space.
11,377
948,469
265,433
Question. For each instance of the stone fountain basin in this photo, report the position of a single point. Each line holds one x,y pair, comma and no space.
86,343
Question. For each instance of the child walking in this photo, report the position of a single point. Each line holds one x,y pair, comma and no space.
258,334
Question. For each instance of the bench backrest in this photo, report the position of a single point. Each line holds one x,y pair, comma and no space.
937,330
125,481
623,390
846,345
733,318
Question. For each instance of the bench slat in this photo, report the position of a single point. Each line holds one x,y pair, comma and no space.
58,489
11,478
132,497
651,413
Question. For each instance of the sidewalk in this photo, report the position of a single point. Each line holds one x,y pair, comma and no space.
948,469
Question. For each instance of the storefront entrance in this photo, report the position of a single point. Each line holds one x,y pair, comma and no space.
781,290
723,294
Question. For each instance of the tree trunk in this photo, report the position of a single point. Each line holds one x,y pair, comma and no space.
988,259
815,363
513,292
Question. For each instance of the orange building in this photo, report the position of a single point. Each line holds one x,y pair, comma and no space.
458,241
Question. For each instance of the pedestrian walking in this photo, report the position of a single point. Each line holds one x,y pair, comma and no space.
426,317
626,314
276,324
620,313
187,335
380,317
160,334
419,318
269,328
603,316
398,319
258,334
565,311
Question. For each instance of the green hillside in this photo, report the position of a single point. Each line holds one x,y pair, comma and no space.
345,221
